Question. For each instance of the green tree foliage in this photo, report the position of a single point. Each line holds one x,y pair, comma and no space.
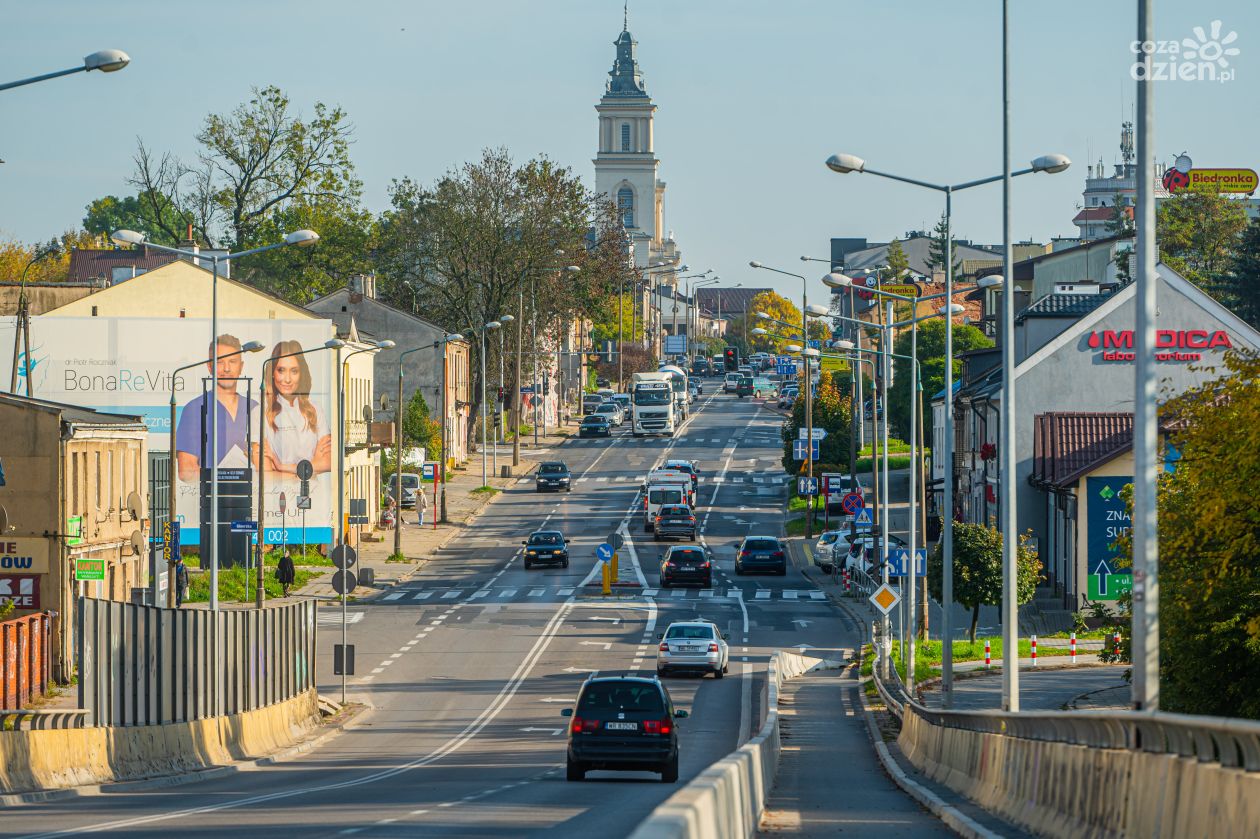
898,262
1120,223
152,214
1239,286
978,569
932,366
778,308
604,322
833,412
937,247
420,429
1209,538
44,262
1197,231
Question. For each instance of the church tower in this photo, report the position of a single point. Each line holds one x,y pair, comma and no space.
626,165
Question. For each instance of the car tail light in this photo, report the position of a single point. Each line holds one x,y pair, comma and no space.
691,519
713,648
704,564
664,726
580,725
664,647
743,554
778,555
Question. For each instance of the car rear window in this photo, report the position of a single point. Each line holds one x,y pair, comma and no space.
705,632
761,544
621,696
665,496
675,511
687,556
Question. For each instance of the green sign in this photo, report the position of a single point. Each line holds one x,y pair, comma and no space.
74,530
86,570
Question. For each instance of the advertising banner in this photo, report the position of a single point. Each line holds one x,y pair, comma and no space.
24,555
128,366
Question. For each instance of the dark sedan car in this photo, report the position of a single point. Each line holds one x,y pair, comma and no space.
595,425
546,547
675,521
686,564
625,723
760,553
553,476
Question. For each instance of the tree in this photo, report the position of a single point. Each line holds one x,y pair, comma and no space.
420,429
1197,231
1209,538
1121,221
938,245
978,569
932,367
1239,286
898,263
832,412
779,308
44,262
604,320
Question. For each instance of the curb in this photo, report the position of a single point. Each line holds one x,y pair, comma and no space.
953,818
149,784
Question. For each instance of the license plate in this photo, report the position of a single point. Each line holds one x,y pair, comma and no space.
689,648
622,726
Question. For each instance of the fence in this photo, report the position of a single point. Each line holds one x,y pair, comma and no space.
25,663
145,665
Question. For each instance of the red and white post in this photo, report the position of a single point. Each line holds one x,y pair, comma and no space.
1034,651
1072,648
988,657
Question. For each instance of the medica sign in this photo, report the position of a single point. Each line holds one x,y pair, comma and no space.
1170,344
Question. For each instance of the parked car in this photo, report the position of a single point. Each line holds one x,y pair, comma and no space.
623,723
553,475
760,553
595,425
787,396
861,552
694,646
546,547
675,521
410,486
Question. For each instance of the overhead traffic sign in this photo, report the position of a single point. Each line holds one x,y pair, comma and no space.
852,503
885,598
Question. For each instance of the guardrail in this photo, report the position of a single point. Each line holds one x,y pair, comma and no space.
25,663
41,719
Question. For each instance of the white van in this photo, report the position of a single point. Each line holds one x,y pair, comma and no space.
660,495
731,382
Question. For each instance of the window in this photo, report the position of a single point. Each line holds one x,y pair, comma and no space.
625,136
625,203
96,457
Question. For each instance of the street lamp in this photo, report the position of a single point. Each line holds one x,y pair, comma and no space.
492,325
300,238
107,61
171,497
533,304
330,344
1051,164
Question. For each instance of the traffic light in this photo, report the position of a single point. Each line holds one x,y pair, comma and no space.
731,359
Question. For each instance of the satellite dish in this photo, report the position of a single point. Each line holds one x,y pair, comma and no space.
135,506
137,542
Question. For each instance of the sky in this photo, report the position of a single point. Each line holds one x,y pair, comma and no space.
752,97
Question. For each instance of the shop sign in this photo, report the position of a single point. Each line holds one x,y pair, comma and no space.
1221,181
1170,344
89,570
24,555
22,592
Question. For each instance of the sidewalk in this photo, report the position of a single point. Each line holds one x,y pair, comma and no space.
420,544
1053,688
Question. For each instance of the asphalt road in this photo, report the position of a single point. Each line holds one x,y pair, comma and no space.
466,667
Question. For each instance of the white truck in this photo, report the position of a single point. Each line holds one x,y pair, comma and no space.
678,381
652,404
665,491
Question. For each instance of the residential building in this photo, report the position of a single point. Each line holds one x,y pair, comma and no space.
73,500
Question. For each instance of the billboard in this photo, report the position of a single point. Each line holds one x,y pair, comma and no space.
128,366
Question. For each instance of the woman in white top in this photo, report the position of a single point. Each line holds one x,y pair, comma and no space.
295,428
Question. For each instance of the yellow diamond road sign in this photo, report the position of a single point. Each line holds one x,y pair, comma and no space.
885,598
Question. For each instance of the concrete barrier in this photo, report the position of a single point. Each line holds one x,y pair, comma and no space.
727,799
56,759
1061,789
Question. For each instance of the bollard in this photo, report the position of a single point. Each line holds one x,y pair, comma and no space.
1072,648
988,659
1034,651
1116,649
846,581
607,580
615,575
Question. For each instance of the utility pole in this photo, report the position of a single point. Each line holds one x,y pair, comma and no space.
516,381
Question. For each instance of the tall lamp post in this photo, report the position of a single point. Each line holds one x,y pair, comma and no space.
492,325
300,238
695,302
516,385
1051,164
330,344
171,494
107,61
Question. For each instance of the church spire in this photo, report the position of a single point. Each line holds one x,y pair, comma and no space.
625,79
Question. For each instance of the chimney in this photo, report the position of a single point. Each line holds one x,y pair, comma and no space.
361,286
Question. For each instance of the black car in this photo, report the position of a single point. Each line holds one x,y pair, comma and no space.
674,521
686,564
546,546
595,425
760,553
553,475
624,723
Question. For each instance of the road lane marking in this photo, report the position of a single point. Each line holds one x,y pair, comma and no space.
762,594
423,595
447,595
395,595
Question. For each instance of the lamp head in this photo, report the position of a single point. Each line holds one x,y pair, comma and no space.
814,310
842,344
334,343
107,61
252,346
754,264
759,331
991,281
810,352
1051,163
454,336
384,344
506,318
793,348
572,269
843,163
127,237
837,280
302,238
763,315
953,309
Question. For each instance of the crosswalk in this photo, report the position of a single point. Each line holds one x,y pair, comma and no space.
332,617
500,594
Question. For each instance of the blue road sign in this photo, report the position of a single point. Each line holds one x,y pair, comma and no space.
864,518
899,562
814,343
427,471
800,452
603,552
806,486
785,365
244,527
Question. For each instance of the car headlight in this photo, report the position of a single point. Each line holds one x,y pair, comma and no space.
531,553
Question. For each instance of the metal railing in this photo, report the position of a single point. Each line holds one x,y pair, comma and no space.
144,665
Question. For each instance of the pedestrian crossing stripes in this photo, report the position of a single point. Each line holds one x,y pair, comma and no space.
332,617
538,593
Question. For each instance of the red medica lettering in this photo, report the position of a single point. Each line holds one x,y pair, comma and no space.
1195,339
